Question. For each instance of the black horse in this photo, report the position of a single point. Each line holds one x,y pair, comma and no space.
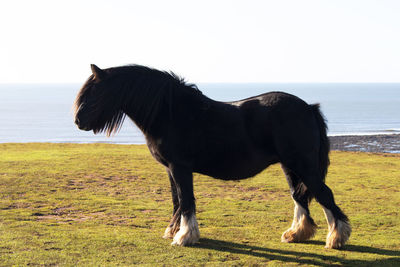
188,132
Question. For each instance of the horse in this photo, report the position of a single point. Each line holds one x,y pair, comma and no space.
188,132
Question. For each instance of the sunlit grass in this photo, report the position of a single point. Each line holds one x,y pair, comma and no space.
69,204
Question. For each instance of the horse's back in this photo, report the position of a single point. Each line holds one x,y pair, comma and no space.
279,121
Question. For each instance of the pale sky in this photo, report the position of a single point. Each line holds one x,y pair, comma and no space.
203,41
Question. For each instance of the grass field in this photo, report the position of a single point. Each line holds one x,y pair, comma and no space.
105,205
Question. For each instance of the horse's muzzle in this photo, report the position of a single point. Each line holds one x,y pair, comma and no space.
80,126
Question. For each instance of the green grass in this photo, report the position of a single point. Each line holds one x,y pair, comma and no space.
102,205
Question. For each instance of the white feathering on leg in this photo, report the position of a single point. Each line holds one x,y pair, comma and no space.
329,219
302,228
188,233
339,231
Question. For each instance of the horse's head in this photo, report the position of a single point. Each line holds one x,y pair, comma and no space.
96,106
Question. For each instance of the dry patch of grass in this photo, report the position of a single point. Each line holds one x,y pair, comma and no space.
98,204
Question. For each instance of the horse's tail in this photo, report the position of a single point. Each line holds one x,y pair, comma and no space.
323,139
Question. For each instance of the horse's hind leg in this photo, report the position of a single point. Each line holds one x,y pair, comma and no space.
338,223
174,224
303,226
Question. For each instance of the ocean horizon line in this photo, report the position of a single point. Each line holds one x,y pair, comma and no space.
209,82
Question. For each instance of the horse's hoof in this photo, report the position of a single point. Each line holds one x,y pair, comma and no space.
301,231
188,233
339,235
288,236
186,238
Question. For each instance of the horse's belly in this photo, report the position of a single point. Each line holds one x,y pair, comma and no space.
236,167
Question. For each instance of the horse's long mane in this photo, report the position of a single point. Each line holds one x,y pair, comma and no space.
141,90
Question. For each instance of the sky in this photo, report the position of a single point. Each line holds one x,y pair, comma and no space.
203,41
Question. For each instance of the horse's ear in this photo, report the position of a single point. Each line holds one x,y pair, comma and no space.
97,72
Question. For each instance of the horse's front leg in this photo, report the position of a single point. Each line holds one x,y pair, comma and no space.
188,233
174,224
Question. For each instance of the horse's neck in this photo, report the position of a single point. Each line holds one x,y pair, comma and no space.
164,110
144,111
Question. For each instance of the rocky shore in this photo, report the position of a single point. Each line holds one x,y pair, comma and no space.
385,143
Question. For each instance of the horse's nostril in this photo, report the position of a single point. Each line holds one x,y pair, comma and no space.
77,121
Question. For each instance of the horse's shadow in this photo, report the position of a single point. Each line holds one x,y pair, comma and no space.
303,257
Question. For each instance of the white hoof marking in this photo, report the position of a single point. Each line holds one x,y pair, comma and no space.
188,233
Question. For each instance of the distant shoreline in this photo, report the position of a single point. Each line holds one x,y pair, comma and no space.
380,143
387,132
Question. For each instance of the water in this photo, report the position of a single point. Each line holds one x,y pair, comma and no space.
43,112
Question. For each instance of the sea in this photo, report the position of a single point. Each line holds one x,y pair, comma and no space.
43,112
